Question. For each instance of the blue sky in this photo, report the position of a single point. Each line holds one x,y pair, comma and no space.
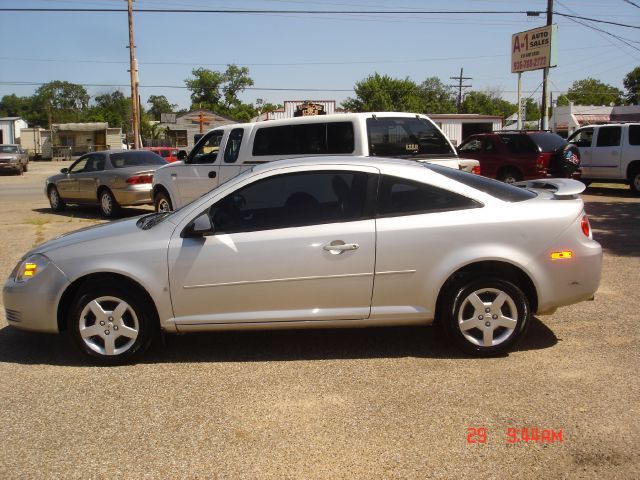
296,51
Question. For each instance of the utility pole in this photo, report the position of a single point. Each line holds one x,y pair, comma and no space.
133,69
460,86
545,76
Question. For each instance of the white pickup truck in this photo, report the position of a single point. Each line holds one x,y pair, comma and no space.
224,152
610,153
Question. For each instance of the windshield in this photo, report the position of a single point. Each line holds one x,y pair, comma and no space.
406,137
8,149
136,158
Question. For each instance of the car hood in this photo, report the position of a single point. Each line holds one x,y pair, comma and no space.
88,234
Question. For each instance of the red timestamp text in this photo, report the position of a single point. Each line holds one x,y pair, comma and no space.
518,435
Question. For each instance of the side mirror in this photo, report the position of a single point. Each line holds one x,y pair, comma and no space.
182,154
64,170
201,226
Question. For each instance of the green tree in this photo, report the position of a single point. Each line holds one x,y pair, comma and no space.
631,84
14,106
487,103
591,92
436,97
383,93
113,108
65,101
533,110
218,91
159,104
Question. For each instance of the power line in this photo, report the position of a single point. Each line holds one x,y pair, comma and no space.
631,3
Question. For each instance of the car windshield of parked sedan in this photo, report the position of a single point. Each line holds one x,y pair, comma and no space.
136,159
8,149
499,190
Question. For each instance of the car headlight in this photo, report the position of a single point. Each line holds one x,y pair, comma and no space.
30,267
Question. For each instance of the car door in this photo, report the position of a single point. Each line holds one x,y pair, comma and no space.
606,152
294,246
199,174
583,139
68,185
88,179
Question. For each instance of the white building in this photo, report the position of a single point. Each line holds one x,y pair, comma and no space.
458,126
565,120
10,129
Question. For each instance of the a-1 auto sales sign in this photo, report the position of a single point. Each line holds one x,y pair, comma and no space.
534,49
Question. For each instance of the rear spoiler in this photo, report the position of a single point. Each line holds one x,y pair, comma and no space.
560,187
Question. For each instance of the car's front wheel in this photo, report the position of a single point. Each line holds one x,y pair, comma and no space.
56,203
110,324
108,204
634,180
486,316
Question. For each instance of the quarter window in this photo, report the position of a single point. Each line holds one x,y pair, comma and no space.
399,196
634,134
233,145
294,200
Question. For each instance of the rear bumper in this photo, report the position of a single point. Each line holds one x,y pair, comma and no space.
134,195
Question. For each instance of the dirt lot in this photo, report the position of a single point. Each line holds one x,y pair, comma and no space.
379,403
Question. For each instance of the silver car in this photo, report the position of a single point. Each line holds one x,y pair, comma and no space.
14,158
110,179
321,242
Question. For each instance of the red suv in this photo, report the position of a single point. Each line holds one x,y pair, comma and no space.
170,154
512,156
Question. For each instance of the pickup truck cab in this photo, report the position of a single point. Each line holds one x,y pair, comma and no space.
224,152
610,153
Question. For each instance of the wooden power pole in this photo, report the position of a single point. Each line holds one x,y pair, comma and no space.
545,76
460,86
133,69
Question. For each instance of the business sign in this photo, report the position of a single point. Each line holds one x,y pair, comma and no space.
307,109
534,49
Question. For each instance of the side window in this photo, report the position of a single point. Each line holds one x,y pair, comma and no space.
609,137
207,150
582,138
634,134
473,145
233,145
399,196
519,144
294,200
80,165
304,139
95,163
489,146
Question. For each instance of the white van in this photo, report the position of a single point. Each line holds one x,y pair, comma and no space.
224,152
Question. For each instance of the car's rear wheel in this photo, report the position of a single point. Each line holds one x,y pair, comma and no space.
108,204
110,324
509,176
162,202
634,180
486,316
56,203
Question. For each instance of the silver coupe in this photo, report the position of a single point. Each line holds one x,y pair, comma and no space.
319,242
110,179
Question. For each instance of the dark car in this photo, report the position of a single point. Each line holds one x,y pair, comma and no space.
512,156
110,179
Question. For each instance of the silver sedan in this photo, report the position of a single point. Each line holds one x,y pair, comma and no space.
110,179
322,242
13,157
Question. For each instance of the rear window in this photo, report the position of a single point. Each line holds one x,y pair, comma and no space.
499,190
548,142
305,139
405,137
135,159
519,144
634,134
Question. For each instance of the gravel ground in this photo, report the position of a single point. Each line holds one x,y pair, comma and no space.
377,403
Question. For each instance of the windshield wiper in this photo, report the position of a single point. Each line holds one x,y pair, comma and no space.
149,221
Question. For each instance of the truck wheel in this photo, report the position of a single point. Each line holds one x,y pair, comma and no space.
634,181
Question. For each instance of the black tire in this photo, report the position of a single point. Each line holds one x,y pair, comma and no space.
162,202
108,204
509,175
486,310
55,201
634,181
110,323
25,167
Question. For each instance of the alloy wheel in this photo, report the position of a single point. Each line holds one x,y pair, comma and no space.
108,326
487,317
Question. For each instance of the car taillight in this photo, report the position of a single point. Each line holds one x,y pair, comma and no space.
586,228
139,179
476,170
543,161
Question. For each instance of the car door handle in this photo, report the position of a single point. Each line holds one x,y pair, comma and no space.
337,247
212,174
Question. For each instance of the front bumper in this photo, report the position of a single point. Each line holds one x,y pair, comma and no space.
33,305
